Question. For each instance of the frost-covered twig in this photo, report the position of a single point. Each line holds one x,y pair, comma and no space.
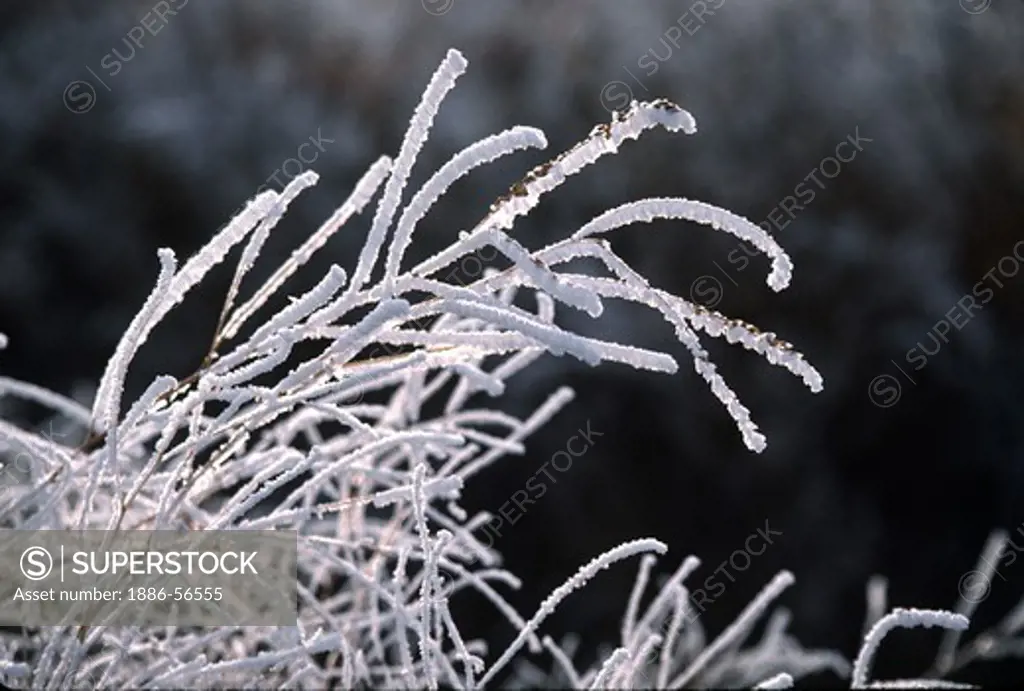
291,423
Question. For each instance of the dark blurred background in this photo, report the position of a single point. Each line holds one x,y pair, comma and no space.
128,126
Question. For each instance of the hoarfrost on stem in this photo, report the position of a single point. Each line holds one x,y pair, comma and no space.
373,481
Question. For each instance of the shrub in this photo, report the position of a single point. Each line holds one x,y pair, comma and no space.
361,448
